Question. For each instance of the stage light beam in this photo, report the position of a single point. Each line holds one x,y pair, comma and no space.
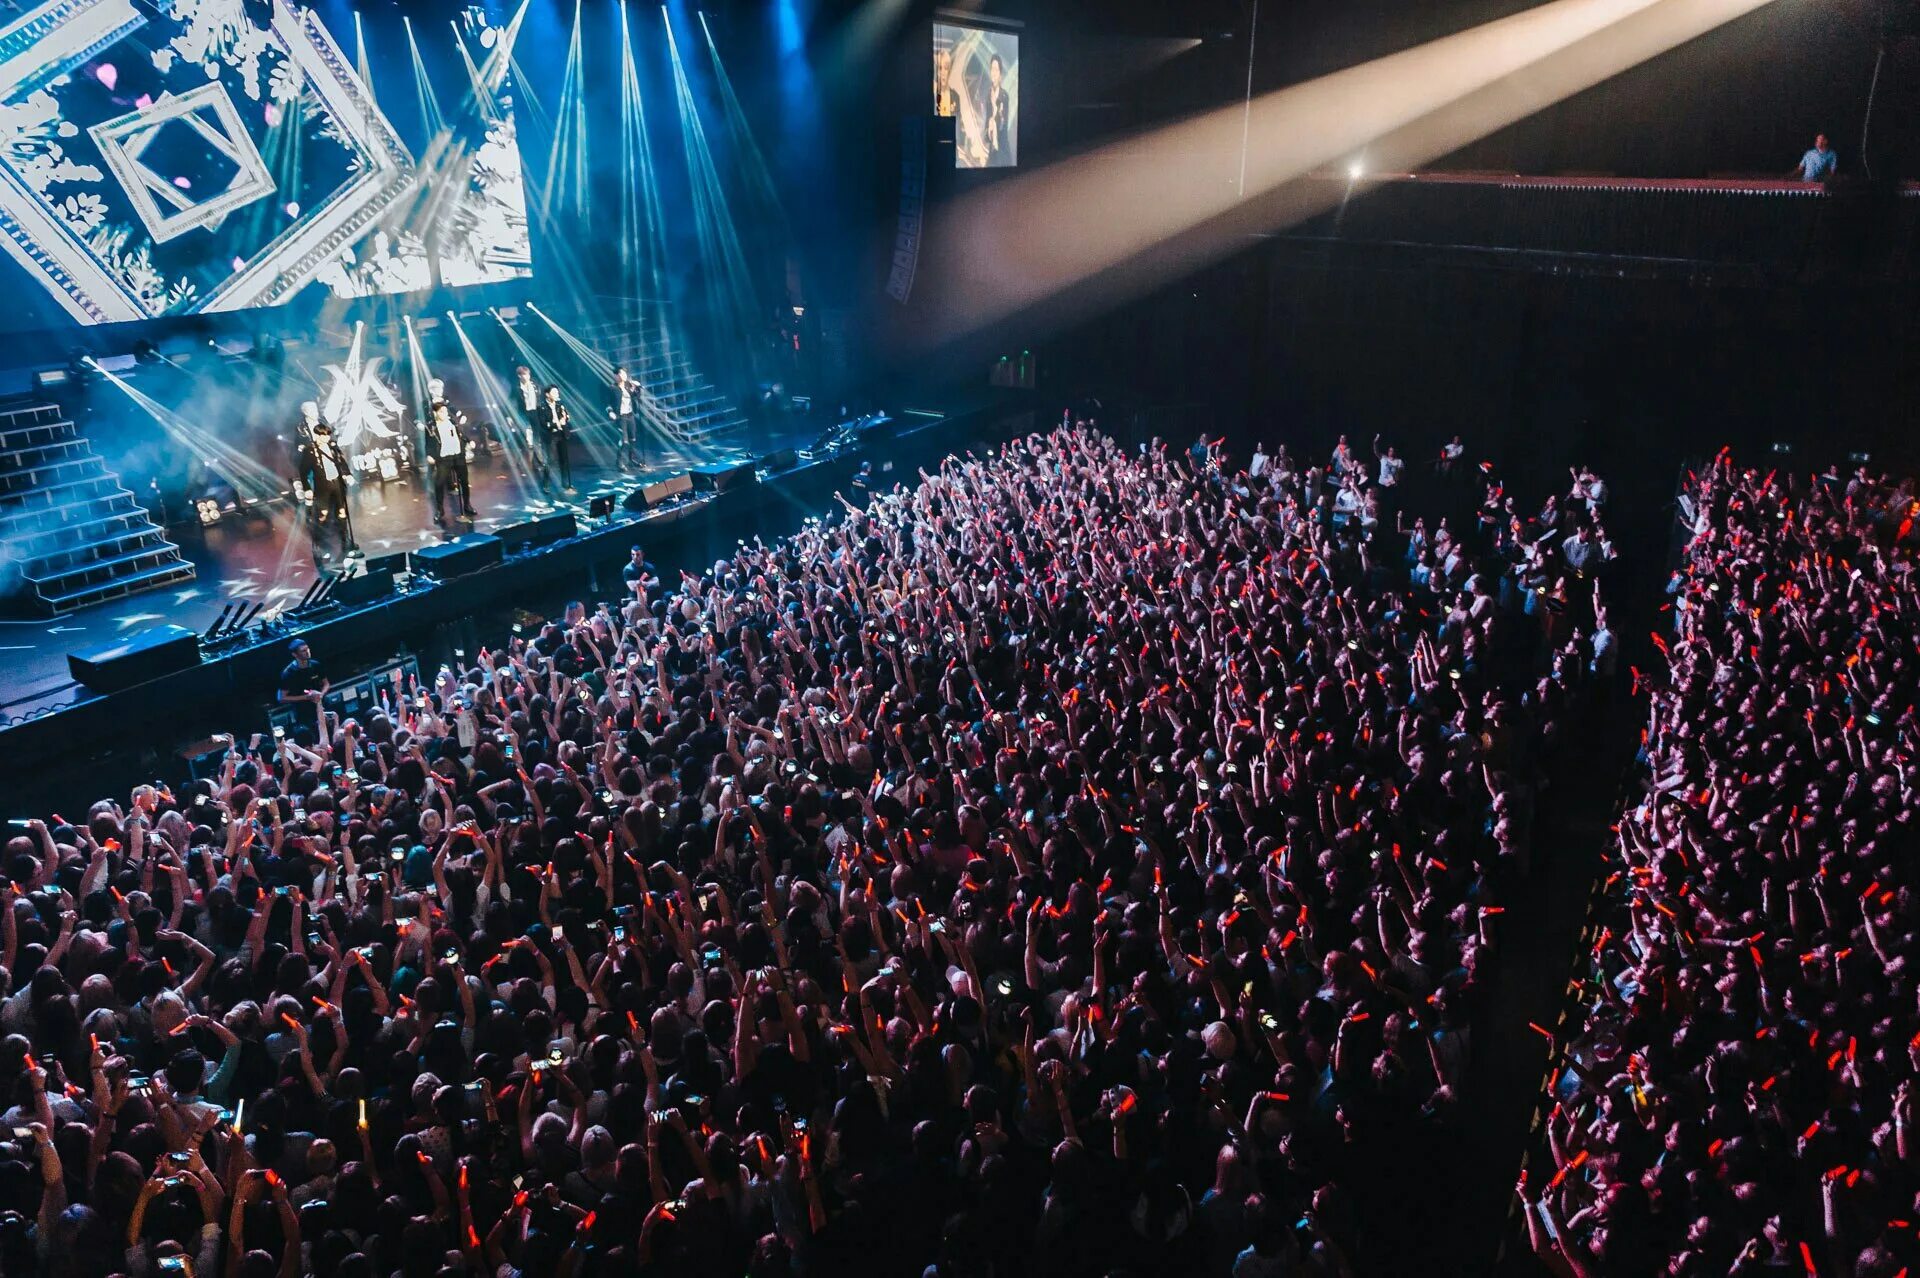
1164,202
361,64
495,399
746,150
653,414
591,432
643,247
430,115
567,166
250,479
732,297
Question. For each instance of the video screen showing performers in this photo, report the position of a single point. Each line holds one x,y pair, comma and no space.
220,155
976,82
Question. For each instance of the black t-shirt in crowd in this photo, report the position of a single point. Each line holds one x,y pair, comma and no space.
297,679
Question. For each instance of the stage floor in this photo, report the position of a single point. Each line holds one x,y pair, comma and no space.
267,554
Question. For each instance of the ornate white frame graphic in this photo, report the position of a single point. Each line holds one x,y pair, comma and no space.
123,142
53,39
42,45
285,265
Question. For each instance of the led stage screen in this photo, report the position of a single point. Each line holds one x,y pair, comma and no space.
976,82
177,157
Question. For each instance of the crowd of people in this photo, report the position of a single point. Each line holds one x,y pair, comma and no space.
1741,1100
1046,868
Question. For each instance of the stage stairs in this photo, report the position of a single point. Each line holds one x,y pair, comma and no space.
676,396
70,533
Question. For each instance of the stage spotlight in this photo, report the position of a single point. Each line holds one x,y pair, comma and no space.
1355,171
208,510
145,352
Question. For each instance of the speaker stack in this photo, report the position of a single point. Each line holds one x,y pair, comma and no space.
144,655
724,477
659,493
460,556
543,531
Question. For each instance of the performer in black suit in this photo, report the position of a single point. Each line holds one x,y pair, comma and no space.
323,468
526,401
556,429
999,115
447,449
626,393
299,457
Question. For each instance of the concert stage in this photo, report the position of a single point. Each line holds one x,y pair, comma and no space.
265,554
57,723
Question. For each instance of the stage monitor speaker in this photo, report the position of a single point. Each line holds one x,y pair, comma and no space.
600,507
785,459
543,531
374,583
722,477
144,655
393,565
460,556
658,493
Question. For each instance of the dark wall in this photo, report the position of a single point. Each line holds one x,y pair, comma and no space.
1302,341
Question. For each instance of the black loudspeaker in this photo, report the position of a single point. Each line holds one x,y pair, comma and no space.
723,477
664,491
460,556
393,565
543,531
374,583
148,654
785,459
600,507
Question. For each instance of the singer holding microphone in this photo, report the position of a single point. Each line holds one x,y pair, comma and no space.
556,431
